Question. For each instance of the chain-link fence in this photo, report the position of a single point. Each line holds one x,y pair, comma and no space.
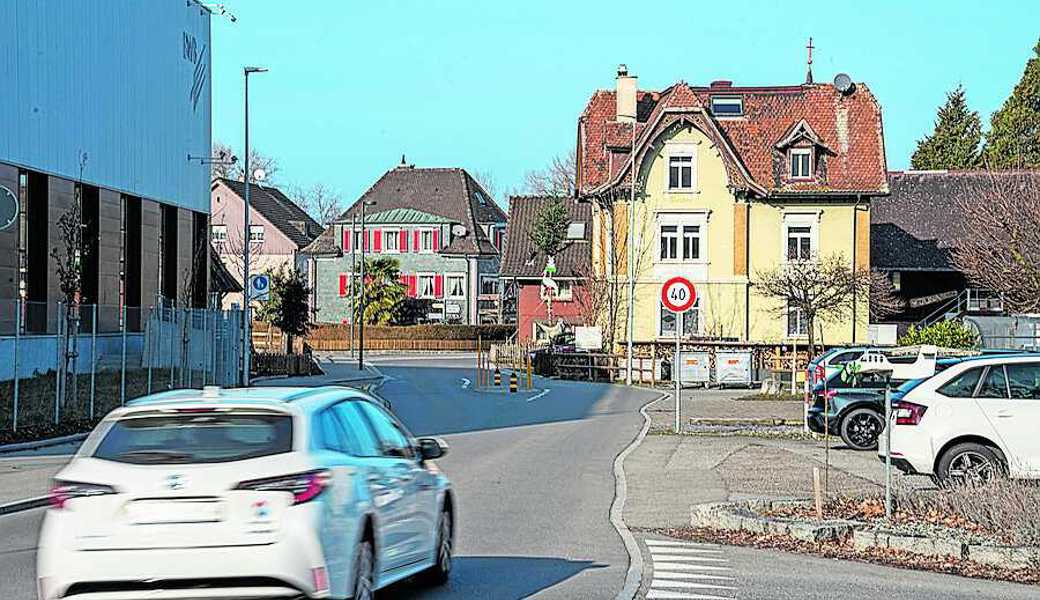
61,362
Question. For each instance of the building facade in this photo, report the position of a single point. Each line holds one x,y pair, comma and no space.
729,182
443,229
278,230
106,116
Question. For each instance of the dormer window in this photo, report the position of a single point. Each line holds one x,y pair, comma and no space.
727,106
801,163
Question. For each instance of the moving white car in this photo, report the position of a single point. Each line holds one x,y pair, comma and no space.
976,419
247,493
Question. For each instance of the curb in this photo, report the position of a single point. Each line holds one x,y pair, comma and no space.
18,447
736,421
23,505
634,575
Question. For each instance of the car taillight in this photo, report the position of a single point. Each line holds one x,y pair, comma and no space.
829,395
303,486
820,373
908,413
63,491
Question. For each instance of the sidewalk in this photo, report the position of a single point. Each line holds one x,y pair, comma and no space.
722,405
27,478
338,370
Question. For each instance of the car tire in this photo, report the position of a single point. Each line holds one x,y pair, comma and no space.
970,463
364,572
861,428
439,573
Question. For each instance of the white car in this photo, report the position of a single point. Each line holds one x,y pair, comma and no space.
975,419
247,493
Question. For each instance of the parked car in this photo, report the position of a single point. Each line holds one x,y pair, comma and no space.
260,492
830,362
971,422
852,406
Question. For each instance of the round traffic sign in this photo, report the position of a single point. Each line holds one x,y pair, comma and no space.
678,294
8,208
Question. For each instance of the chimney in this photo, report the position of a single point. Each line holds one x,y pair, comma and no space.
626,95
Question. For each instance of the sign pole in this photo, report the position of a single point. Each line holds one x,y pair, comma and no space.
888,450
676,370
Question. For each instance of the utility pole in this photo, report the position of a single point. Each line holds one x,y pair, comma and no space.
353,281
247,342
361,313
630,234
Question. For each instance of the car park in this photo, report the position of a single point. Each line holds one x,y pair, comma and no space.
851,406
245,493
973,421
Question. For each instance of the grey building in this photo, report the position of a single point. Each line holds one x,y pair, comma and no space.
444,230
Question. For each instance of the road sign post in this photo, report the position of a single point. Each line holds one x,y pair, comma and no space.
678,295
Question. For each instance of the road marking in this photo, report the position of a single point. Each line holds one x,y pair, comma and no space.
652,543
671,583
539,395
655,594
674,550
686,558
673,566
689,571
677,575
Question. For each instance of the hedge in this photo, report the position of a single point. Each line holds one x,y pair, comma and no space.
494,333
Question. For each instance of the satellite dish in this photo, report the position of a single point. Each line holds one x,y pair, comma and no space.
259,175
843,83
8,208
458,230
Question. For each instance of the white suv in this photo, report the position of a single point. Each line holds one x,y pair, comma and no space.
246,493
977,418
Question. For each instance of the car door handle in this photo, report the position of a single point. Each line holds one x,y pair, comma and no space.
1005,414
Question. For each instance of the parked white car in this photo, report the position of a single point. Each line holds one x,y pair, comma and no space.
247,493
976,419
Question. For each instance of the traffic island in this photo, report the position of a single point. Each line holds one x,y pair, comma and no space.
857,530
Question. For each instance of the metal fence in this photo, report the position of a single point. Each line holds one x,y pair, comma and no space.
62,362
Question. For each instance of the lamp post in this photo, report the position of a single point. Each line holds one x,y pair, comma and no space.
361,293
247,342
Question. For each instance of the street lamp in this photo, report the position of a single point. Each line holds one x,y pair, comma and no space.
361,294
247,342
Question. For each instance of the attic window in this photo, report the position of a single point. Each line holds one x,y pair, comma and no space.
801,163
727,106
480,197
576,231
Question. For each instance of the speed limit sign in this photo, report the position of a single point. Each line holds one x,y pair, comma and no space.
678,294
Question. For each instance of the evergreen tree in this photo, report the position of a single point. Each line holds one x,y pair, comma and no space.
287,307
955,142
1014,137
384,293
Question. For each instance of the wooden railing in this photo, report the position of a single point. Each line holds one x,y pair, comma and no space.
389,344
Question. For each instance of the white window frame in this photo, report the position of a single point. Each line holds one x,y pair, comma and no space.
218,239
677,154
790,163
480,285
565,291
794,310
691,316
804,219
395,234
673,246
682,220
447,286
423,233
419,286
728,100
256,239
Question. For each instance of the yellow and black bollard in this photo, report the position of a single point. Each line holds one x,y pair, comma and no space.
513,382
498,376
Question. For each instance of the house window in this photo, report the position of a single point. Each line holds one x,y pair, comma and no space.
456,286
691,242
801,163
256,234
426,240
799,243
727,106
391,240
680,172
425,286
218,233
576,231
564,292
691,321
669,242
681,236
797,324
488,285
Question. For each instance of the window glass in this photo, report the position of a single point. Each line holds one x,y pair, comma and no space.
456,286
426,286
797,324
355,427
963,385
392,441
800,160
691,242
426,240
845,357
391,237
332,435
256,233
669,242
994,385
1024,381
488,285
799,243
691,321
727,106
680,172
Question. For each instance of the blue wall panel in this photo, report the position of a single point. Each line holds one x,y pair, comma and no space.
112,79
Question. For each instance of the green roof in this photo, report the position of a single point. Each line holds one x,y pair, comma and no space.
404,216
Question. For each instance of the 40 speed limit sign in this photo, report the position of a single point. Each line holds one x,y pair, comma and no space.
678,294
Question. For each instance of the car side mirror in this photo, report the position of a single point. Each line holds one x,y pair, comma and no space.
432,448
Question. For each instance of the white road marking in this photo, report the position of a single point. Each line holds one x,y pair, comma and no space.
673,566
539,395
652,543
668,594
671,583
677,575
674,550
685,558
688,571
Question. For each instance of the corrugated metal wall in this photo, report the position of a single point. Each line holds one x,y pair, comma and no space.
112,79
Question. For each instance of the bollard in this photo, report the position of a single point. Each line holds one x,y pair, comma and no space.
498,377
513,381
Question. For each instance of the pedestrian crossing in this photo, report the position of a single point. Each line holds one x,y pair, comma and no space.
689,571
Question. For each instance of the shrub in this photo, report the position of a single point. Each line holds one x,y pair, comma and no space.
945,334
1002,508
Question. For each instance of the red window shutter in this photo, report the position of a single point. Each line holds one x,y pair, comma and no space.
415,240
403,241
364,240
438,285
342,284
436,240
413,285
377,240
403,279
346,240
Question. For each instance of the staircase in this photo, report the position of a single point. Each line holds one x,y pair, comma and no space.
968,301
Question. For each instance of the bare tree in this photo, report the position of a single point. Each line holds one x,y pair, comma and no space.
556,179
321,202
489,182
999,248
884,301
822,289
229,170
221,165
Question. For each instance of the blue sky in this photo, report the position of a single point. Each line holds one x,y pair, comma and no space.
496,86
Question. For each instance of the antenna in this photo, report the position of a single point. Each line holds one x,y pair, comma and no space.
808,73
843,83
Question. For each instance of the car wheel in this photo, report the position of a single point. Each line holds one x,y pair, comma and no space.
364,572
441,569
970,464
861,428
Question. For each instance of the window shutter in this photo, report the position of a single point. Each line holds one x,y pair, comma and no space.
415,240
403,242
436,240
346,240
438,285
377,240
342,284
403,279
364,240
412,285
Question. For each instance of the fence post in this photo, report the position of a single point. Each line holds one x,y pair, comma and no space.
59,367
148,343
207,342
122,360
93,358
173,341
17,340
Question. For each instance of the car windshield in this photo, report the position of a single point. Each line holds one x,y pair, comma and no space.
195,438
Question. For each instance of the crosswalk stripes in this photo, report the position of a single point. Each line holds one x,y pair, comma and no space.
689,571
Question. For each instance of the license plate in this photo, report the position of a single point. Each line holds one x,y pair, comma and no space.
153,512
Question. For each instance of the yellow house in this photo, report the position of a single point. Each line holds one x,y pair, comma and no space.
730,183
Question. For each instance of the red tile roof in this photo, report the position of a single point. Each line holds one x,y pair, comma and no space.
849,129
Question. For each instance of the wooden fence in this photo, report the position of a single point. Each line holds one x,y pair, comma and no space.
270,363
332,345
